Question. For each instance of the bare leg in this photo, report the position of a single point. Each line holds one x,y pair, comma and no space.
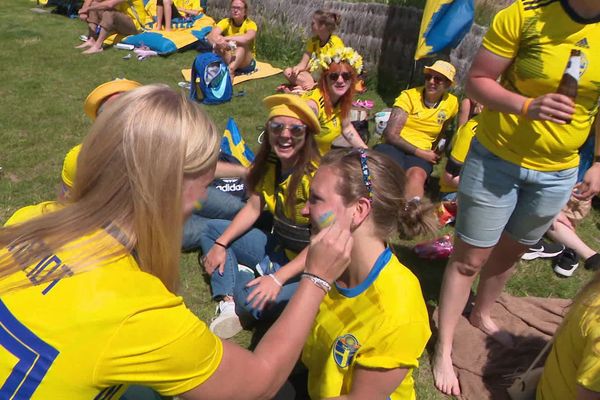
159,17
561,233
242,58
463,266
415,182
168,14
305,80
97,47
496,271
91,41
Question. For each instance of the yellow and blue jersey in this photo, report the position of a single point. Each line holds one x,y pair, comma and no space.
313,45
230,29
331,125
381,323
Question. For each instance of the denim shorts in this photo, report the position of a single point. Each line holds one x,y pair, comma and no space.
495,195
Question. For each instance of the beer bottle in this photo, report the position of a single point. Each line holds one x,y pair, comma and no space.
570,79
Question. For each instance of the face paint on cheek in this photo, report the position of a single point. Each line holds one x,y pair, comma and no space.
326,219
198,205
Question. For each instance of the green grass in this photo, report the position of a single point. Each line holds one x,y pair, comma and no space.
45,81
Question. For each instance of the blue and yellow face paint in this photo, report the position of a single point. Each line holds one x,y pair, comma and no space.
198,205
326,219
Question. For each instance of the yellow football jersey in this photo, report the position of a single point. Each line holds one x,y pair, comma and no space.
381,323
459,147
313,45
575,356
424,125
87,335
331,125
229,29
538,36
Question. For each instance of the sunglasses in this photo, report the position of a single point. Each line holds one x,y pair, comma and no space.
334,76
296,130
436,79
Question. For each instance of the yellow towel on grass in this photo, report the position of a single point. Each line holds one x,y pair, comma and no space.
263,70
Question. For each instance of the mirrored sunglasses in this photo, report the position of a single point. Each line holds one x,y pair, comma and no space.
296,130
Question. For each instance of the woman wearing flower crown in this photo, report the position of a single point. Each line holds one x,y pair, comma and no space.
332,98
373,325
323,24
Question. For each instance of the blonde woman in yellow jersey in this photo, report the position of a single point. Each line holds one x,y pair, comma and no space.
234,39
86,292
373,325
420,115
322,26
522,164
572,369
332,98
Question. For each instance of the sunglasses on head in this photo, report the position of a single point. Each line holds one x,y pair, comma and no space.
334,76
277,128
436,79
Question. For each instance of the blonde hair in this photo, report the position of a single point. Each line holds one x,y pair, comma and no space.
129,180
392,214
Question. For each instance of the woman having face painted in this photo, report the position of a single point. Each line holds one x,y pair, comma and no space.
373,325
332,98
279,179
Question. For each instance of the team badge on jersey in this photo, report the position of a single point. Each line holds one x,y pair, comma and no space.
441,117
344,350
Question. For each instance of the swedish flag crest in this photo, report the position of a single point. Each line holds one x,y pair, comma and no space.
344,350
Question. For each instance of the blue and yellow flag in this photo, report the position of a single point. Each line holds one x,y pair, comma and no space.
444,23
233,144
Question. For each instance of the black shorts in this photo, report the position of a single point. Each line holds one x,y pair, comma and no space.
405,160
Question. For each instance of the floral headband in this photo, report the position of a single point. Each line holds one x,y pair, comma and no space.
336,55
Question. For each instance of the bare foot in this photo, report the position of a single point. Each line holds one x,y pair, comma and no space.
489,327
92,50
86,44
444,376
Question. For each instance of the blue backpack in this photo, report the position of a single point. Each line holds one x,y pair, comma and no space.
210,76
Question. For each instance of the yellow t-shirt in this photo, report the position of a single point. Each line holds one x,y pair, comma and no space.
266,189
538,36
424,125
575,356
229,29
381,323
136,11
89,334
313,45
331,126
459,147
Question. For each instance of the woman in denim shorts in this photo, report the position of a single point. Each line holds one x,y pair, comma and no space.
522,164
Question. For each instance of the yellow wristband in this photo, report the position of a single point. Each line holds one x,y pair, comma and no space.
525,106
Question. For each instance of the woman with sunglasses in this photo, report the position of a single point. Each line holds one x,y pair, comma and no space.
88,300
233,39
419,117
373,325
279,179
332,98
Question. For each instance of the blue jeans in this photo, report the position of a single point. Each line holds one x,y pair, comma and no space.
495,195
217,205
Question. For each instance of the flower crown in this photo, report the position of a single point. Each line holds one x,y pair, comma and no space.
336,55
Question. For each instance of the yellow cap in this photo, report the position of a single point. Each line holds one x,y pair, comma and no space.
103,92
444,68
290,105
70,167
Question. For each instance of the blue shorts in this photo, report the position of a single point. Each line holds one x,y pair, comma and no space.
405,160
495,195
247,69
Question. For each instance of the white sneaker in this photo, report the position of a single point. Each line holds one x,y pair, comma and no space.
226,324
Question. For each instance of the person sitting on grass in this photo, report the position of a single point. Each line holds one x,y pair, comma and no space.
89,289
125,17
322,26
279,180
234,39
332,98
420,115
166,10
373,325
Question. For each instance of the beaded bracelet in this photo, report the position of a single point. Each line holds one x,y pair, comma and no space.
525,106
275,279
318,281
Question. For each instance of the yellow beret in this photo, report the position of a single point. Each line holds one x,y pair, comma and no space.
103,92
70,166
291,105
442,67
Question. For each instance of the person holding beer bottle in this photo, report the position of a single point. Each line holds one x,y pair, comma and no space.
522,164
